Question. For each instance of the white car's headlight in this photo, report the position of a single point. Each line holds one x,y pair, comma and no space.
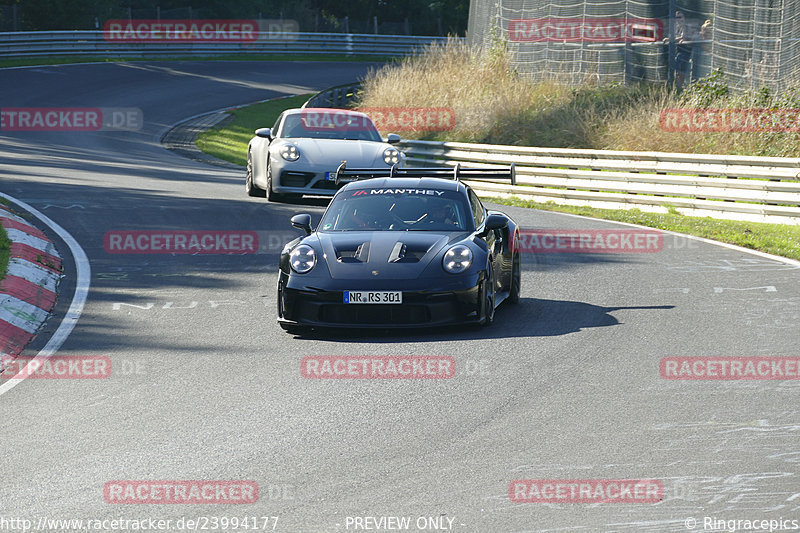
290,152
457,259
302,259
391,156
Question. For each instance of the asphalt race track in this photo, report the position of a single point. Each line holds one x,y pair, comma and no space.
206,386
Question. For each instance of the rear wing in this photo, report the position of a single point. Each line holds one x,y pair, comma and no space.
458,173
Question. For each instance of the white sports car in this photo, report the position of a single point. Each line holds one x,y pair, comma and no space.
301,153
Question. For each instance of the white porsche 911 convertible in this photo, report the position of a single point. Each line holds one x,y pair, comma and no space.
301,153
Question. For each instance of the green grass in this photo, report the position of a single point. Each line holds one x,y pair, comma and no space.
5,252
62,60
229,142
775,239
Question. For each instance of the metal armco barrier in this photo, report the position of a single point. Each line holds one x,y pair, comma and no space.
92,43
759,189
340,96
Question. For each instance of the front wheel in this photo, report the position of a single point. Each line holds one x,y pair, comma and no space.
249,186
272,196
488,297
516,280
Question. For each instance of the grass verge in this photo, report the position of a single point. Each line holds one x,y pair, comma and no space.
64,60
775,239
229,141
5,252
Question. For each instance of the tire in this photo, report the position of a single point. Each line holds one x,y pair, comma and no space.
249,186
488,297
288,328
271,195
516,280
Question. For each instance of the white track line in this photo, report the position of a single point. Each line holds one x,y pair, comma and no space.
735,247
82,283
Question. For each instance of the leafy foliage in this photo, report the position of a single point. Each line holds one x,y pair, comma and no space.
706,92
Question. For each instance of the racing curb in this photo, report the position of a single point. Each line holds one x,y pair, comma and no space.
181,137
28,291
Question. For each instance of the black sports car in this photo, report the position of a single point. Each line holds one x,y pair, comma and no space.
400,248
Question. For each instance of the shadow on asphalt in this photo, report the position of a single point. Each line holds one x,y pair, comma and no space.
532,317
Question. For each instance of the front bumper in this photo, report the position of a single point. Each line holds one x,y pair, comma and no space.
292,181
453,302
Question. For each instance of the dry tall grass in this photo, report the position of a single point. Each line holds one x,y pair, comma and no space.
493,104
482,90
639,129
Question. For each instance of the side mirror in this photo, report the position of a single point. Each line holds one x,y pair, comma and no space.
303,222
494,221
393,138
264,133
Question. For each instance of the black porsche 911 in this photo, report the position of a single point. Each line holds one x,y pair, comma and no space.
400,248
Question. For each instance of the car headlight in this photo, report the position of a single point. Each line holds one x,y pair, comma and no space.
457,259
302,259
391,156
290,152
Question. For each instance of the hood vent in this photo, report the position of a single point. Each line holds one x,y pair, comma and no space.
357,251
398,252
407,253
353,253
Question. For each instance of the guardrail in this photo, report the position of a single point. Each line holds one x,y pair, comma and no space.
339,97
760,189
93,43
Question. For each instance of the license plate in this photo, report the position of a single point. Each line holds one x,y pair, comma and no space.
330,176
373,297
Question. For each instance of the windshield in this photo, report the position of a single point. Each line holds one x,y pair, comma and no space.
397,210
333,125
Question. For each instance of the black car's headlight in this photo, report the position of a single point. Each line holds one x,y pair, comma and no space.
290,152
391,156
302,259
457,259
